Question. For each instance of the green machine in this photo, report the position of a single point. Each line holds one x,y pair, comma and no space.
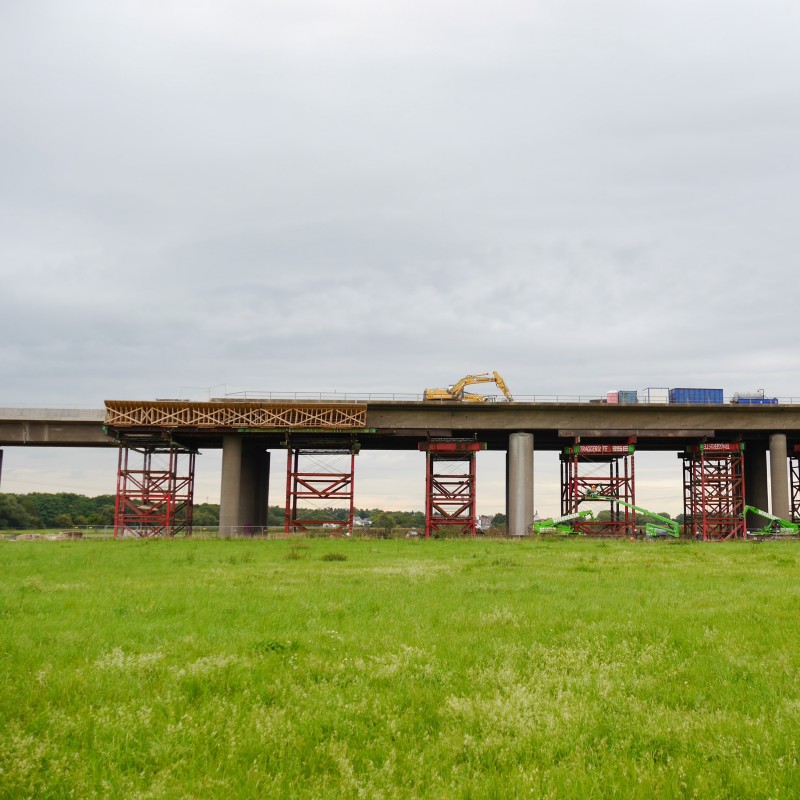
776,526
664,526
560,525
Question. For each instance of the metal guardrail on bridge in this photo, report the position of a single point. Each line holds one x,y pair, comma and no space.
354,397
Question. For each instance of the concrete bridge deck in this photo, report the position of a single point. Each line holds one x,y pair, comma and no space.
401,424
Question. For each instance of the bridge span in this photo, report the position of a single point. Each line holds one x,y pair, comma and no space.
247,430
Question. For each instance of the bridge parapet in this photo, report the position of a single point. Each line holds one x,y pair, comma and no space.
52,414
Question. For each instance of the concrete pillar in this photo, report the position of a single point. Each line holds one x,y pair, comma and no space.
779,475
229,510
507,483
755,479
1,467
244,495
520,483
261,495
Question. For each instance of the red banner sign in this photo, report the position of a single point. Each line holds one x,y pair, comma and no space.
602,449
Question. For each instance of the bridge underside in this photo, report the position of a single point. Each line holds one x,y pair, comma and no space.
248,430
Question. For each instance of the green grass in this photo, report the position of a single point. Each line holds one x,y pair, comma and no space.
383,669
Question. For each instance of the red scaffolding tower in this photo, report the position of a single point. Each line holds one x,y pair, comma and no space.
794,483
450,504
713,491
320,475
155,488
599,469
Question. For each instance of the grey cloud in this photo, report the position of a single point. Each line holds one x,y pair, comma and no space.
361,196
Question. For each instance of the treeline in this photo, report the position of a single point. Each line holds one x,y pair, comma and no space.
64,510
61,510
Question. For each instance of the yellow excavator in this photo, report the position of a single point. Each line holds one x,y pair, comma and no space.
456,391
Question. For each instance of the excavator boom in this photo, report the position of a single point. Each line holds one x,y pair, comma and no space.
456,391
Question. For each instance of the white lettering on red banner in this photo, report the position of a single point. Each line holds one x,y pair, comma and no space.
603,448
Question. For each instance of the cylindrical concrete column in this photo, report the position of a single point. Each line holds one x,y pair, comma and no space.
261,500
779,475
756,484
230,490
520,483
507,484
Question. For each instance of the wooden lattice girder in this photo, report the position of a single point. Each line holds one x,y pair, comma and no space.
794,483
155,490
450,499
318,475
599,469
714,491
234,415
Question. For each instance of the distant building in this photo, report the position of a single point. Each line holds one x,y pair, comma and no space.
484,522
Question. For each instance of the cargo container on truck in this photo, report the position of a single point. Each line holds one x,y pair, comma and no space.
753,399
696,396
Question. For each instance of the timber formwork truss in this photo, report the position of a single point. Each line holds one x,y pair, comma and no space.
155,489
249,415
607,470
794,483
450,501
713,491
320,478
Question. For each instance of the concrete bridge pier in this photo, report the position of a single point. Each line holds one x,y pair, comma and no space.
244,493
755,479
779,475
519,483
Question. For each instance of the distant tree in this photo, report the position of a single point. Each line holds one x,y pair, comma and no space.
14,515
62,521
383,523
499,520
206,514
276,515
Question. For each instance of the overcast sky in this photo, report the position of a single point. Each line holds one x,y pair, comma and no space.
200,197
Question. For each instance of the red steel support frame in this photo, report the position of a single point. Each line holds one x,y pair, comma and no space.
154,495
713,491
450,501
603,469
794,482
325,483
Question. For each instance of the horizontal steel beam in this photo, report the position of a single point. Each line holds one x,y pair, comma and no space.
654,433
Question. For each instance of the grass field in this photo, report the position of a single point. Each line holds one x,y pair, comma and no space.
409,669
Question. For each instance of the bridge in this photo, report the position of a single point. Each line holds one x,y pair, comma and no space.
247,430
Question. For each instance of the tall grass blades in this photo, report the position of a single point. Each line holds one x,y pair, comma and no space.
446,669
